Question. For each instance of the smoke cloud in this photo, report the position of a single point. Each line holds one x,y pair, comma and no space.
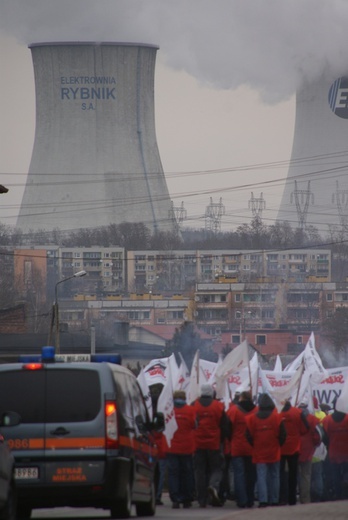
271,46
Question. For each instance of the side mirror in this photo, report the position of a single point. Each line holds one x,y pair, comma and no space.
158,422
141,425
10,419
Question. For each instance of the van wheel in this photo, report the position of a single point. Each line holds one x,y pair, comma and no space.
122,508
8,512
147,508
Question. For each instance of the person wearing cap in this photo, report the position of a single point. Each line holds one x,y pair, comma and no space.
266,433
241,466
180,451
212,429
296,425
309,442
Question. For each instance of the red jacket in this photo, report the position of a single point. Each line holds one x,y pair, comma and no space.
265,433
183,442
295,425
237,414
209,414
310,440
161,444
337,434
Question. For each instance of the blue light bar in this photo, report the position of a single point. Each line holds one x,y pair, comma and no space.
34,358
47,354
107,358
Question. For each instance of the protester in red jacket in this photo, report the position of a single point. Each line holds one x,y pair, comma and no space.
266,432
180,451
309,441
296,425
209,436
335,428
243,469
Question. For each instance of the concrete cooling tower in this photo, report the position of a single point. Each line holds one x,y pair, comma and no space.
316,190
95,159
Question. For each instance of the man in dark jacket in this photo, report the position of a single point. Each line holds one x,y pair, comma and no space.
208,458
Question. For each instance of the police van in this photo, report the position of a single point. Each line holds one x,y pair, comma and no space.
80,435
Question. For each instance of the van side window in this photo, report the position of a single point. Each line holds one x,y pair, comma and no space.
139,408
124,403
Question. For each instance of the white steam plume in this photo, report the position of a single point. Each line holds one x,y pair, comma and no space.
270,45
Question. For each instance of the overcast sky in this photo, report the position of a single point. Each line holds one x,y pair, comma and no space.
226,76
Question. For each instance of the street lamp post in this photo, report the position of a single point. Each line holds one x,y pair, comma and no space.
56,307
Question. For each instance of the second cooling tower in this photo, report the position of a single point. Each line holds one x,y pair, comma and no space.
95,158
316,190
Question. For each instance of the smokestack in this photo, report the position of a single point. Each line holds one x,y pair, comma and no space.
316,190
95,159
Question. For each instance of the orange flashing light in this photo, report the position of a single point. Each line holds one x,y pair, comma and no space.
111,426
33,366
110,408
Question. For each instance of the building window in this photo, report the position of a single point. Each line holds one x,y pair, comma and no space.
235,338
238,315
329,297
27,272
299,340
237,297
260,339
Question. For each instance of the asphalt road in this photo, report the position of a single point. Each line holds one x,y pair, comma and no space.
322,511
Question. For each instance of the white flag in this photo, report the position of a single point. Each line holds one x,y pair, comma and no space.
193,391
207,370
183,377
295,364
145,390
278,364
156,371
174,369
165,405
234,361
254,373
313,362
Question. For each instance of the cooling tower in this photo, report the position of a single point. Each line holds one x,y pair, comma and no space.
316,190
95,158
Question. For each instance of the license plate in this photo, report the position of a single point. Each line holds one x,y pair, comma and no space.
27,473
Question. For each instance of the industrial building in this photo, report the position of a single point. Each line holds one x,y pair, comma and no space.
95,159
316,189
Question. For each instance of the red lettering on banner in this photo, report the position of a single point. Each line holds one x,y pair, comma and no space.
207,374
156,372
279,383
334,379
169,416
234,380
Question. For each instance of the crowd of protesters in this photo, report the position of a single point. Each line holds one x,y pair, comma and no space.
253,453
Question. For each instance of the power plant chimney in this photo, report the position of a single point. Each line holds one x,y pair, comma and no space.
318,172
95,159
